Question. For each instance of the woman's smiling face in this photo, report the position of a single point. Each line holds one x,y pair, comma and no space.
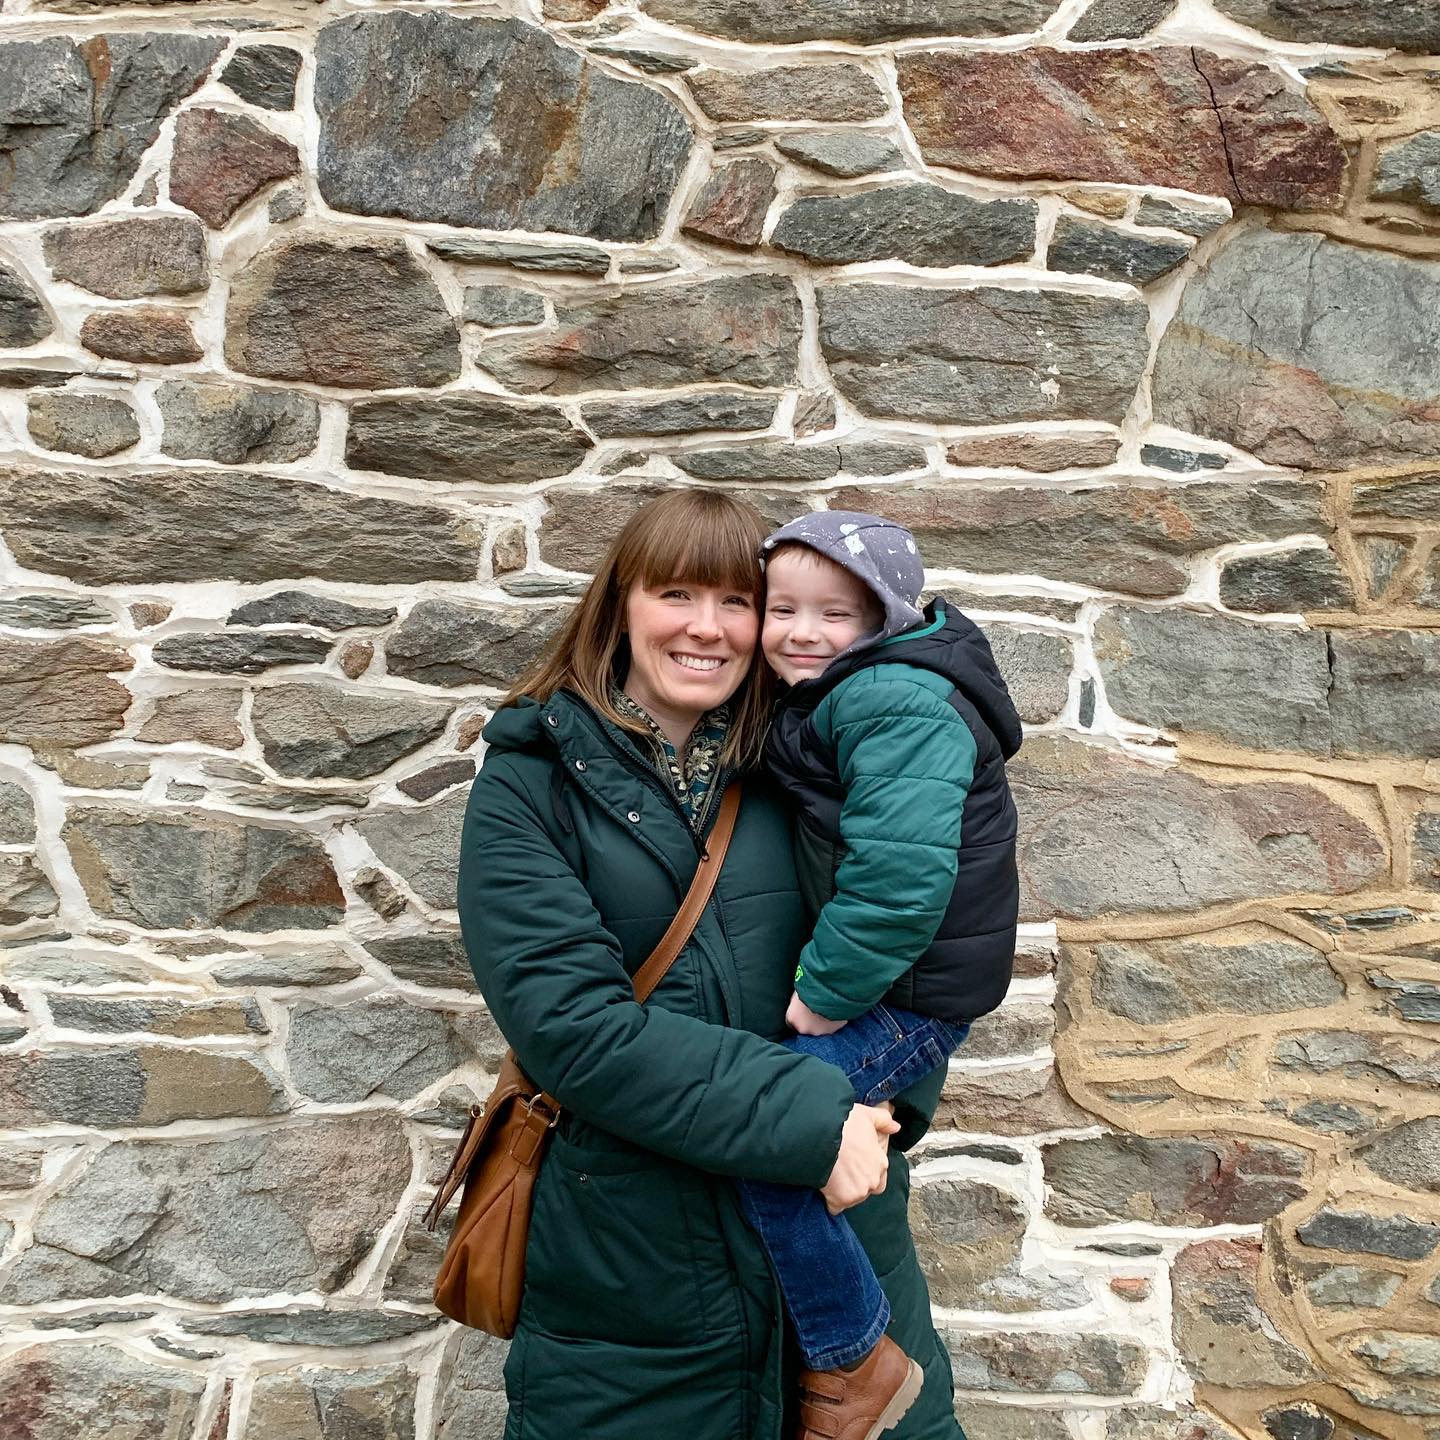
690,647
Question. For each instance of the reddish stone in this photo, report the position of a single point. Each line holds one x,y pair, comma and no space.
144,335
221,160
355,658
59,692
1172,116
1133,1288
731,207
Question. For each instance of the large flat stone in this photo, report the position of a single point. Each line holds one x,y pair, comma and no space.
236,424
130,258
788,92
60,692
309,731
158,1016
1286,582
358,314
862,21
1036,668
442,643
298,607
1132,538
146,335
966,1231
471,1400
1102,833
1201,673
1030,1362
982,355
1088,248
190,872
346,1054
421,844
231,652
920,224
316,1404
464,438
681,414
208,716
23,316
77,116
659,336
1408,1155
1110,1178
265,75
1175,116
846,153
1155,981
1410,171
1399,24
208,1221
565,146
84,1392
91,425
1306,352
1358,1232
159,525
1386,692
152,1085
1119,19
296,1326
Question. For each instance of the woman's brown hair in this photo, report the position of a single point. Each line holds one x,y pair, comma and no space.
697,536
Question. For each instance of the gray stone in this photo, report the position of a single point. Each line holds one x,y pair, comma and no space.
191,872
1027,1362
145,335
287,203
1411,497
1090,248
442,643
209,716
20,1166
1110,1178
265,75
59,692
497,305
160,525
966,1231
1395,1352
1119,20
128,259
159,1016
682,414
983,355
988,1421
1221,1332
471,1403
244,653
65,1392
1180,462
1410,171
1044,453
78,424
659,336
221,161
1187,843
23,317
567,146
1343,1286
1385,695
17,815
558,259
1200,673
788,92
25,891
1285,346
1186,218
340,1056
1036,668
78,116
436,959
315,731
316,1404
1155,981
1184,1422
652,62
431,781
421,845
1408,1155
207,1221
236,424
52,612
153,1085
311,1327
463,437
1402,24
297,607
374,888
920,224
862,21
731,206
1357,1055
286,968
1428,597
1289,581
846,153
360,314
1410,999
1015,1029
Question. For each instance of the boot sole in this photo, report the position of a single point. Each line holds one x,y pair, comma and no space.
900,1403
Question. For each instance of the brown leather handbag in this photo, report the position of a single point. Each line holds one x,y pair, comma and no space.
482,1276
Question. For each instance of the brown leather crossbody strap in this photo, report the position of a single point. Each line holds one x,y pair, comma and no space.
672,942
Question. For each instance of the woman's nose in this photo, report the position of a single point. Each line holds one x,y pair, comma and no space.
705,620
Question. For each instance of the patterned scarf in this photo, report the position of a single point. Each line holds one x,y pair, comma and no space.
691,775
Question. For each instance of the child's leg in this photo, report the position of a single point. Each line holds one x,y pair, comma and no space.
835,1302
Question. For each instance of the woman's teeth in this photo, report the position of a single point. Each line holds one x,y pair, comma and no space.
694,662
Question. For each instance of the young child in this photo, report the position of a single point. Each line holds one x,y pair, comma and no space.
891,742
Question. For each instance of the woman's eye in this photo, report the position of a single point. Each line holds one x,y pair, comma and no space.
740,601
674,595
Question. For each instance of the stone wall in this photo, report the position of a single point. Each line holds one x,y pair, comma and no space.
334,344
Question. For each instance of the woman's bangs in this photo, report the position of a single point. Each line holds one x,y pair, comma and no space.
712,545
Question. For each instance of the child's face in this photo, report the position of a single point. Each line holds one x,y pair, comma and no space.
814,609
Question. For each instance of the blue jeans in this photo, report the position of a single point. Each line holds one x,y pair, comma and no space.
835,1302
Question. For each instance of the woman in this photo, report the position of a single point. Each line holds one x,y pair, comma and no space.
650,1311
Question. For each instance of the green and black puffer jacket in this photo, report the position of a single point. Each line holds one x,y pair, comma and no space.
650,1310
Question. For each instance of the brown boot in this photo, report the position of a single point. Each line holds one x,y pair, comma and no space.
862,1403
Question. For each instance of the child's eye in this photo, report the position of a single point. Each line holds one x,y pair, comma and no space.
839,614
780,611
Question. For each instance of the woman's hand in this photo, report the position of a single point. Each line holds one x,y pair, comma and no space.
863,1164
804,1021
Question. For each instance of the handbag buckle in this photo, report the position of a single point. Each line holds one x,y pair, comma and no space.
544,1110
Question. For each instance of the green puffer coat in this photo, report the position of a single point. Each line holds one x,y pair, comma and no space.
650,1309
